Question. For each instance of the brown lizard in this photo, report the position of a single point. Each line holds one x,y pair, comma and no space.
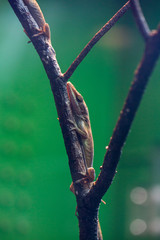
37,14
83,128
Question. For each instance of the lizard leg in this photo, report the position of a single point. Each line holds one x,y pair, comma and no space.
77,129
91,174
45,30
89,177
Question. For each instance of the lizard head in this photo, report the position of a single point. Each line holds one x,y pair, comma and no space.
78,105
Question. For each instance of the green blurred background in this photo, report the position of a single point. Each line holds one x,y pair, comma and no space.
35,201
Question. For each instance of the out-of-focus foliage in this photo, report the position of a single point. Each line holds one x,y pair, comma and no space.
35,201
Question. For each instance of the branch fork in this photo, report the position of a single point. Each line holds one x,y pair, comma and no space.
89,195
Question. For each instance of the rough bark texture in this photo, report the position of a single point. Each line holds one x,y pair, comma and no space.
142,74
88,200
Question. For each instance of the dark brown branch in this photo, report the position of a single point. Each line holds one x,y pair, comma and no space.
95,39
127,115
88,202
58,86
140,19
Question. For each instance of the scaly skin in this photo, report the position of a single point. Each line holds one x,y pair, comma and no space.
82,127
37,14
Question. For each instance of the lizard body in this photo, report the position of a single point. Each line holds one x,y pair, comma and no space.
82,127
37,14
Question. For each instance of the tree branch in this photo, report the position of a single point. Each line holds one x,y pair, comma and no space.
142,74
95,39
88,202
140,19
58,86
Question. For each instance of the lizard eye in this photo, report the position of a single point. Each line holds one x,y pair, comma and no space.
79,98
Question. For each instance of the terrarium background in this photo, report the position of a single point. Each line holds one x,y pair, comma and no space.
35,201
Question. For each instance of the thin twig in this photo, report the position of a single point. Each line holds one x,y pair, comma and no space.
127,115
74,151
95,39
140,19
